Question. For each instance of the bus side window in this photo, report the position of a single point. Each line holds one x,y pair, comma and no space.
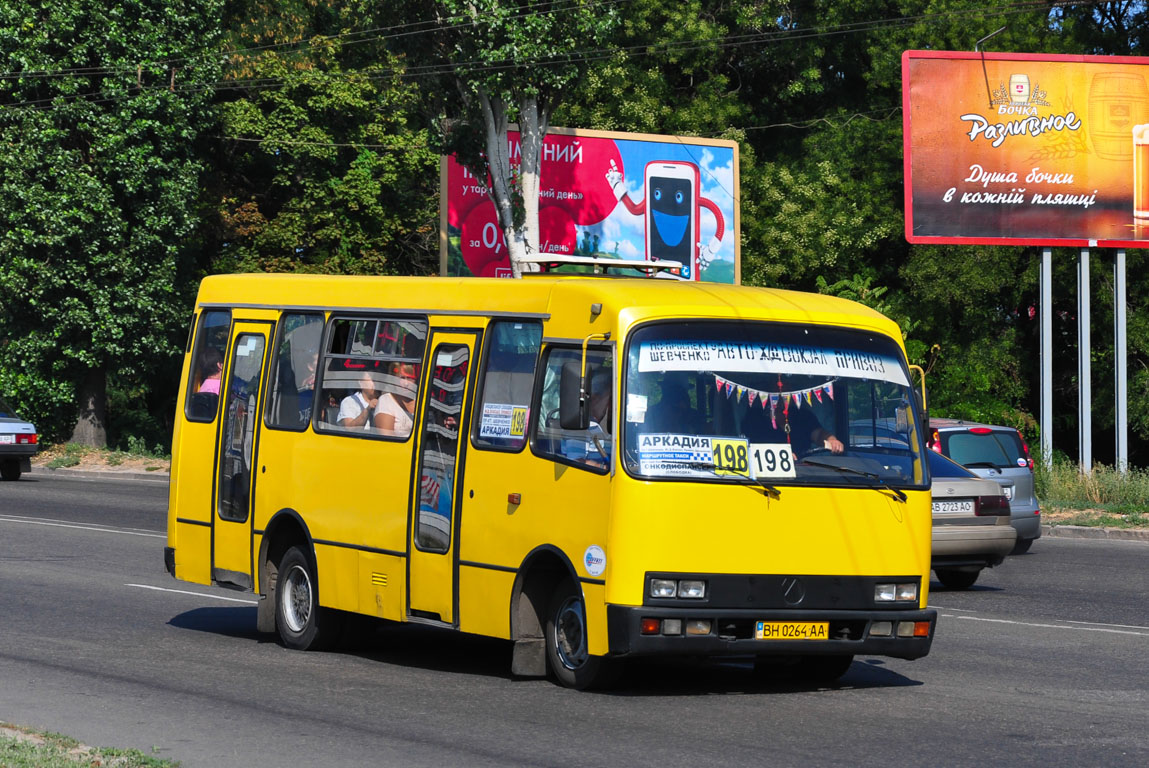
589,448
207,366
506,384
293,371
370,372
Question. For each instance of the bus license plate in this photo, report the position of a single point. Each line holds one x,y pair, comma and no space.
792,630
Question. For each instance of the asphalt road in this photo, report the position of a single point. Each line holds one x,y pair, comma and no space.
1042,663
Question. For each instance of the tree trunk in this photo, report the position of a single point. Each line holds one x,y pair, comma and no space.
91,426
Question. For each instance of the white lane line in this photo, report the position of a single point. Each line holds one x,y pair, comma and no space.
97,529
1047,626
196,594
960,610
1103,624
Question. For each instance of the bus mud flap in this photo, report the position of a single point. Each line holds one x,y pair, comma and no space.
529,658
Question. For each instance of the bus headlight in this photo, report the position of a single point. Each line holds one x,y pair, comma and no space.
663,588
906,592
692,589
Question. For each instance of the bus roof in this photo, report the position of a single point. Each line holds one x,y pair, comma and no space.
624,301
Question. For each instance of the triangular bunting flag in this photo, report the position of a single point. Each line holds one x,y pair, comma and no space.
751,395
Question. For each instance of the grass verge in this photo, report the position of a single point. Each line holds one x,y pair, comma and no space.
1103,498
24,748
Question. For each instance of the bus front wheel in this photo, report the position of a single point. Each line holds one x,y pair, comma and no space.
301,623
567,644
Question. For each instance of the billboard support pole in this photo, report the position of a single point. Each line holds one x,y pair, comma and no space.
1046,309
1084,403
1119,389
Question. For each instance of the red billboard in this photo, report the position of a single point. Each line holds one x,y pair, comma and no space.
607,195
1025,149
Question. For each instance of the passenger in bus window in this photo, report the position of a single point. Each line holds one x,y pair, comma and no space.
593,446
395,413
210,370
356,409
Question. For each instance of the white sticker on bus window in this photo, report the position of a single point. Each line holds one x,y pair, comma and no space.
636,408
594,560
503,420
675,455
771,460
797,359
247,347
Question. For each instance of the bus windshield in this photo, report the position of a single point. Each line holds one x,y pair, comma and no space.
772,403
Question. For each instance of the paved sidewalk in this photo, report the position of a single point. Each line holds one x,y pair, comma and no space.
108,473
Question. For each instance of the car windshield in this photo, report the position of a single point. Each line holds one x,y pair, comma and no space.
986,449
777,404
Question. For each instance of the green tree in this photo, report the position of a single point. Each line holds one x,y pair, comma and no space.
103,108
508,63
331,169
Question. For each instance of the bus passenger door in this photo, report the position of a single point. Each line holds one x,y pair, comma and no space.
239,432
432,544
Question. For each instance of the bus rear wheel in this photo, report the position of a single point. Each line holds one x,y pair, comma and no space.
567,644
301,623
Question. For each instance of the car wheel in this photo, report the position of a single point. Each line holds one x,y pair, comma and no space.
10,470
1021,546
567,644
301,622
952,579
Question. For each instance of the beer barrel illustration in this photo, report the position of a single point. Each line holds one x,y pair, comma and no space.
1117,102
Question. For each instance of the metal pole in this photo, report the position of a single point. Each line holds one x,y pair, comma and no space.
1084,403
1121,394
1046,310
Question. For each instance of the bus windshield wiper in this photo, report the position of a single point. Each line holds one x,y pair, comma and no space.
879,484
768,489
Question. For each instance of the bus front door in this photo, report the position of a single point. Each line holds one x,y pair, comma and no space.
433,541
234,479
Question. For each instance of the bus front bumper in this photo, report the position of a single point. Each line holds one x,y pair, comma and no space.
732,632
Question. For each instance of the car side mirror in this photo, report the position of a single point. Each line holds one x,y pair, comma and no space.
574,407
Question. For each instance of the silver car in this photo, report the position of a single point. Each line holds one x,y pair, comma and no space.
18,443
999,454
971,529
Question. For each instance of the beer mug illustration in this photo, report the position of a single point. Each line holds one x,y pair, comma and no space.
1141,171
1019,89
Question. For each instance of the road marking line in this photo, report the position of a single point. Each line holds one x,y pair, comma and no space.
196,594
1103,624
1047,626
97,529
943,608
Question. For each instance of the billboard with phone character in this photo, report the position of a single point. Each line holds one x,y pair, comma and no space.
608,195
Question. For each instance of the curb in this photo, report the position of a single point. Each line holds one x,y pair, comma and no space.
1090,532
108,474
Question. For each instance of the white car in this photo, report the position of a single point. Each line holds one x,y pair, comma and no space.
971,529
18,443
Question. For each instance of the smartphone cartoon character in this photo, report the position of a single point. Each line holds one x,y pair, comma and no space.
670,211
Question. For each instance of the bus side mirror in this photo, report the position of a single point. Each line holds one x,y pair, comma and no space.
922,409
574,408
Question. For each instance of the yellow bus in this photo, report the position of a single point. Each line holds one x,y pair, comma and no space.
591,467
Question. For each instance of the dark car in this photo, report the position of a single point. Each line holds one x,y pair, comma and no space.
971,529
999,454
18,443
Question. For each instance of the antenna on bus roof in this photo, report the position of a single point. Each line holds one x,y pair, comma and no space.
669,269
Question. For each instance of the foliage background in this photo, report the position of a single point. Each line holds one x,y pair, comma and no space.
304,135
